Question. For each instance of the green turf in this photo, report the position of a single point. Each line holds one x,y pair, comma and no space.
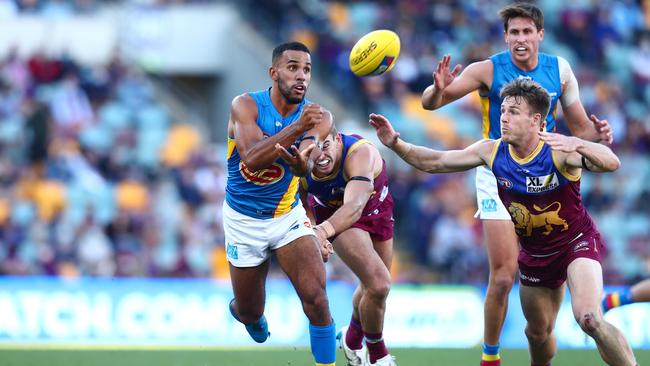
276,357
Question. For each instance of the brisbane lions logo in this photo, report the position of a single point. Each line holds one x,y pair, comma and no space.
269,175
525,221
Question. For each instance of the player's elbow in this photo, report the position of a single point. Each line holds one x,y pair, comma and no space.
251,164
614,164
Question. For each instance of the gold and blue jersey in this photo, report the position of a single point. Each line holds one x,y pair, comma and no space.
542,198
273,190
547,74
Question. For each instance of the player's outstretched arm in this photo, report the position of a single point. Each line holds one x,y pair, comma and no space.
447,87
597,157
429,160
256,151
586,127
359,170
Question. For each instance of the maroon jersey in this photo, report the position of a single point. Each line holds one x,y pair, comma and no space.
543,201
326,195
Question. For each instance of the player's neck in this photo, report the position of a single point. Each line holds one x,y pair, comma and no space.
280,103
529,64
526,147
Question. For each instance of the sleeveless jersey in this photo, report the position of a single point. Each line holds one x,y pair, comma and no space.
328,191
273,190
547,74
543,201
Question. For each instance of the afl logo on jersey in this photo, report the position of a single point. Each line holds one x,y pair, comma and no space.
269,175
504,183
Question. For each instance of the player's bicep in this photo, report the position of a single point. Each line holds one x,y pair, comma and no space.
359,170
243,115
472,78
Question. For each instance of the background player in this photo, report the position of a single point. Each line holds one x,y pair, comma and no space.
350,202
261,212
539,180
523,31
629,295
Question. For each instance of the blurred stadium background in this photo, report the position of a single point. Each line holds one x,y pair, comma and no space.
112,149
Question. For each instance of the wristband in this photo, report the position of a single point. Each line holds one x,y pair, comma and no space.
328,228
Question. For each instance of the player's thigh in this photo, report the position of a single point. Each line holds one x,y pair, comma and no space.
302,262
356,249
540,305
385,250
248,284
585,279
501,243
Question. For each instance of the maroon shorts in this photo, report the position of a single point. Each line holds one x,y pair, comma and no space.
379,223
550,271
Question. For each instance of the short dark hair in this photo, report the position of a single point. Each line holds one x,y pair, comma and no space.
522,10
288,46
529,90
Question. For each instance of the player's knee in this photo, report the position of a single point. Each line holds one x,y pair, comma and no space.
589,321
502,280
316,306
538,335
379,289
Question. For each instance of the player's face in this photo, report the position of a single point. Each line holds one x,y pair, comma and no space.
328,159
523,39
517,120
292,72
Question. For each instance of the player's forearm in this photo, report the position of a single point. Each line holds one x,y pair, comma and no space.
419,157
600,156
345,217
263,152
586,131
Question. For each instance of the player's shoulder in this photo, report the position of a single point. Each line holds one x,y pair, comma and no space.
360,149
243,103
481,66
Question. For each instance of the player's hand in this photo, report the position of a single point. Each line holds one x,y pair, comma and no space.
326,250
604,130
443,75
312,114
385,132
559,142
325,246
298,161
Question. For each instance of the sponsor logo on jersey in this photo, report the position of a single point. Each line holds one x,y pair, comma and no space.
231,251
489,205
581,246
542,184
504,183
269,175
529,278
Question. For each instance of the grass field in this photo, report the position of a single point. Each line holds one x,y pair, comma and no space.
260,356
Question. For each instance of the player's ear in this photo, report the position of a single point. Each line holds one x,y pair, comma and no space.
542,125
273,73
541,34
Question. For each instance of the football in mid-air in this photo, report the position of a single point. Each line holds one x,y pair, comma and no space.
375,53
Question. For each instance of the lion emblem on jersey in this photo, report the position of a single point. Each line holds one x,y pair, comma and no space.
525,221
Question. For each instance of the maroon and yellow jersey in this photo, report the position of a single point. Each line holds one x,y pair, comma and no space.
543,200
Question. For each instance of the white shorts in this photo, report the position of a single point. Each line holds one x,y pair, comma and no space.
490,206
249,241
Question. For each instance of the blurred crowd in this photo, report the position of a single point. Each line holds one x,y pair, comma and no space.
606,42
95,179
97,176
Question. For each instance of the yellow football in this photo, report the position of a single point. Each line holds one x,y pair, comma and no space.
375,53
